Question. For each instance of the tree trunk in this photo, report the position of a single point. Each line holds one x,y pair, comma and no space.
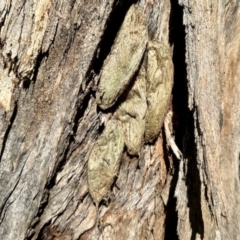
208,196
52,56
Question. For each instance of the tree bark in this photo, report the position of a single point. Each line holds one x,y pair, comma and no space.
212,176
51,56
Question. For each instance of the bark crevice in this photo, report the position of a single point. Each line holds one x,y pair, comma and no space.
182,120
7,132
193,182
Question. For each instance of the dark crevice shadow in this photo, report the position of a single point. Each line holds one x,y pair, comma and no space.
32,76
183,124
193,183
170,208
7,132
180,108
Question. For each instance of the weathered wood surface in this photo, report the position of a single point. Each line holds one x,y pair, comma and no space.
50,54
208,199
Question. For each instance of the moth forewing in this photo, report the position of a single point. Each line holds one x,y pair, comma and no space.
104,160
124,59
159,86
132,112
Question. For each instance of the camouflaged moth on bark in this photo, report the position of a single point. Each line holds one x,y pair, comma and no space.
131,113
140,115
104,160
124,58
159,84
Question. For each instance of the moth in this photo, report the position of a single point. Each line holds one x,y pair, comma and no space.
124,58
141,70
104,161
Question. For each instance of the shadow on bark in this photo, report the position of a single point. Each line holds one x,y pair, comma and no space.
183,123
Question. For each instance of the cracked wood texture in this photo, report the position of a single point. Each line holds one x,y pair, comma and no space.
51,52
208,189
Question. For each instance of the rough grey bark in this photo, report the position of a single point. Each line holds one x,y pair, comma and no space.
213,73
51,52
51,55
